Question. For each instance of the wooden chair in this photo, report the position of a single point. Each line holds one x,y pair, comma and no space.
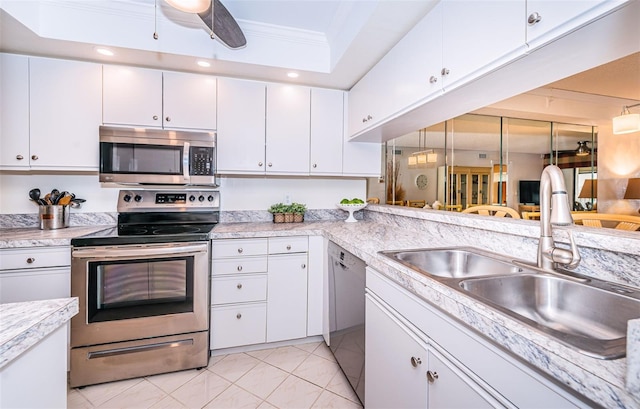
616,221
373,200
493,210
531,215
396,202
416,203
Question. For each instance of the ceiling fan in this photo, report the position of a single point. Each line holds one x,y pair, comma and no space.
216,16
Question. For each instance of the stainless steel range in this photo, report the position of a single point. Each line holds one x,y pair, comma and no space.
143,288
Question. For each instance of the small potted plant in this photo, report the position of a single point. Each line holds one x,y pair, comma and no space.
298,210
278,210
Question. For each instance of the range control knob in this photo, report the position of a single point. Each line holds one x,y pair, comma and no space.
138,198
127,198
192,198
201,198
210,198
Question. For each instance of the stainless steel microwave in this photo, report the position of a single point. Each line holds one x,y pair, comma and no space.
156,156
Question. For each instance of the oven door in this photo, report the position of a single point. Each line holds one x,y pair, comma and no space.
139,291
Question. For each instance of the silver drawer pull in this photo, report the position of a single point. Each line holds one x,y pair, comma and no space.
31,260
432,376
288,246
239,286
34,157
19,157
239,268
240,250
415,361
139,348
238,315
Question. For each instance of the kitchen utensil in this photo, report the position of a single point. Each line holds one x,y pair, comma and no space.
64,199
34,194
47,199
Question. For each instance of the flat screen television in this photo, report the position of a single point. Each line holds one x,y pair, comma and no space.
529,192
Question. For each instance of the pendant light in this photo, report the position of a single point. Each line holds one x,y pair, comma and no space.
190,6
626,122
583,149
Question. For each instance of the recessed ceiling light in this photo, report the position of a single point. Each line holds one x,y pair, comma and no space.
104,51
204,64
293,75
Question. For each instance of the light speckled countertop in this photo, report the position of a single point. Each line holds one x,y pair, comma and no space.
24,324
603,381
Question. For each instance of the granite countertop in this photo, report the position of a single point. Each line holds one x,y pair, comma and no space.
606,382
24,324
34,237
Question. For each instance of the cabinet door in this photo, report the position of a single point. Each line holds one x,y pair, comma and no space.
241,126
34,284
287,297
189,101
395,362
478,35
65,111
14,111
450,388
327,125
288,127
132,96
560,16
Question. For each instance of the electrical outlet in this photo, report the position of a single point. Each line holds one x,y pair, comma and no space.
287,198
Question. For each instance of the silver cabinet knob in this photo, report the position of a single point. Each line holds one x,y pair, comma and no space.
432,376
168,119
415,361
433,79
315,165
269,164
288,246
238,315
239,286
31,260
19,157
445,71
240,250
534,18
34,157
303,266
240,267
367,118
155,117
260,164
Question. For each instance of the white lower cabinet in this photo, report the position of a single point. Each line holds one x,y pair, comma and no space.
34,274
418,357
258,290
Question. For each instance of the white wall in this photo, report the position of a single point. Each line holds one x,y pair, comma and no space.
245,193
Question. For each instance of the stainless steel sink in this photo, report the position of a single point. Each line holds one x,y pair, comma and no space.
589,318
453,262
588,314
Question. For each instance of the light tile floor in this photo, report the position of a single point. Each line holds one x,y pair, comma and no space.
291,377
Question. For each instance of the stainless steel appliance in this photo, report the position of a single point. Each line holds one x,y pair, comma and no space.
157,156
143,288
346,314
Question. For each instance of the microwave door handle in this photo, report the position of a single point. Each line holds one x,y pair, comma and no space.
185,161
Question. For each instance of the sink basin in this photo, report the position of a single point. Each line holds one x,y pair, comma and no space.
589,318
453,262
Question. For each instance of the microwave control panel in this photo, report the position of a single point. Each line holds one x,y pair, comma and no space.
201,161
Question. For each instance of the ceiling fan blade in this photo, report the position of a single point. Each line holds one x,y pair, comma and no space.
225,28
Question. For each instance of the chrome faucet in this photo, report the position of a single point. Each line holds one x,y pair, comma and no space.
554,210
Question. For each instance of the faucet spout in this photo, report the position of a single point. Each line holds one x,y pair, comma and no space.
554,210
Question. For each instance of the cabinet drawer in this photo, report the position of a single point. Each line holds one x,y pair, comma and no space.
11,259
236,325
34,284
242,265
243,288
238,247
296,244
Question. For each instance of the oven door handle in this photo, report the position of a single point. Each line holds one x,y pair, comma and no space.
185,161
139,251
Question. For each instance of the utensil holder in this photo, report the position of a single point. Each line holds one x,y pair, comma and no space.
54,217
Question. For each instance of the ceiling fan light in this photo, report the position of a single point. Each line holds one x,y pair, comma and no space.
190,6
626,123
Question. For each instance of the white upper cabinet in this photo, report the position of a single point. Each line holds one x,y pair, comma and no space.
479,36
65,112
327,131
189,100
151,98
241,126
546,20
132,96
14,112
288,128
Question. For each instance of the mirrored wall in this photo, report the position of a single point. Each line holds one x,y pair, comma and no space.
486,160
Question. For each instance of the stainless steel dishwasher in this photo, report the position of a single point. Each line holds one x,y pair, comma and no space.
346,314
